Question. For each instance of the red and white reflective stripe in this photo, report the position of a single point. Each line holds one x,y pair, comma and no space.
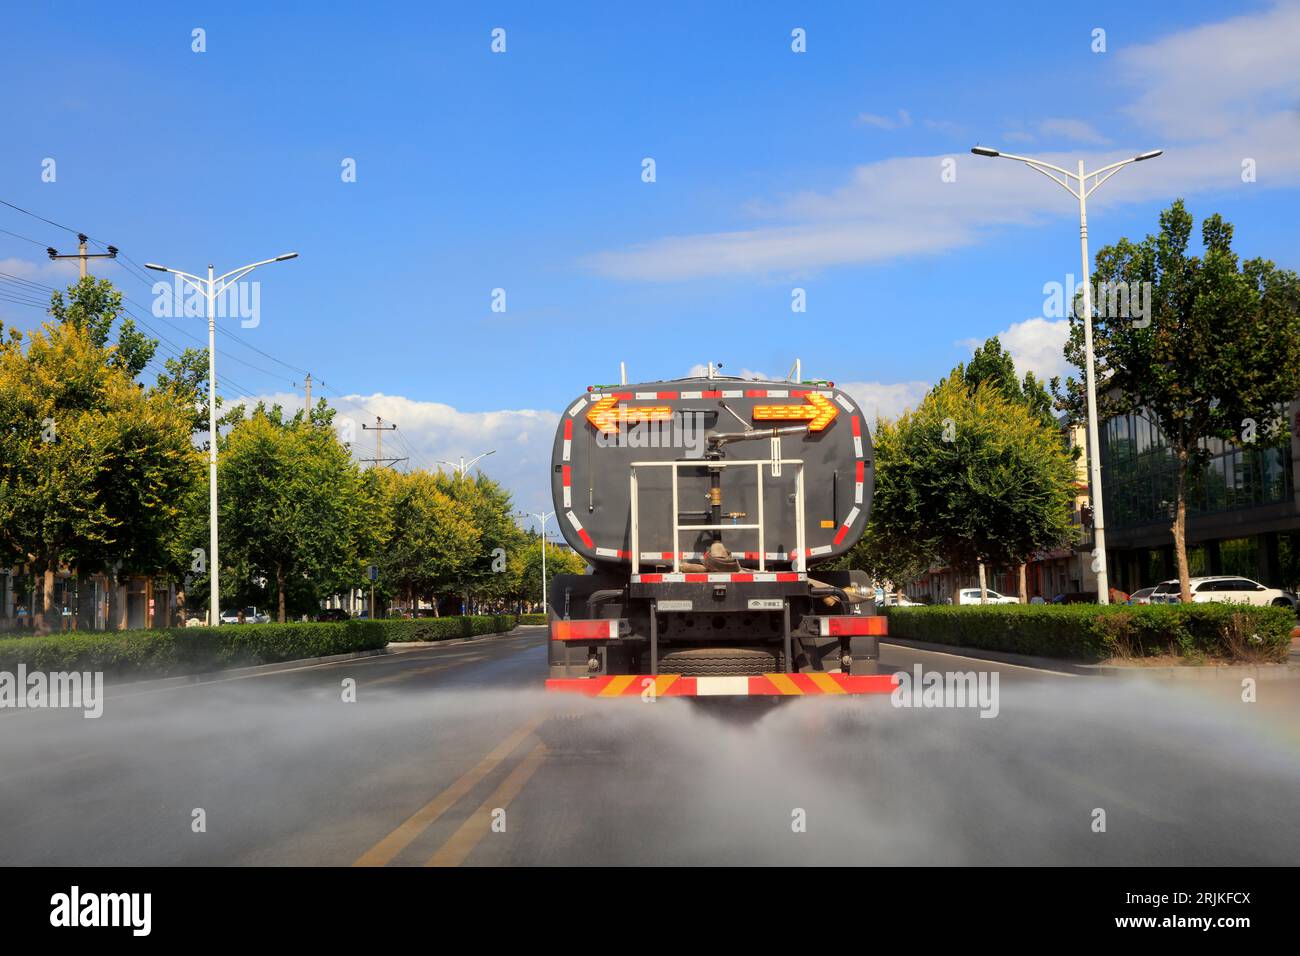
578,406
766,685
857,436
859,476
655,396
582,532
566,480
848,523
743,577
815,552
568,439
602,630
846,625
844,403
612,553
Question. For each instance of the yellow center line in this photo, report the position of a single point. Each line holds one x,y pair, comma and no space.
462,842
386,849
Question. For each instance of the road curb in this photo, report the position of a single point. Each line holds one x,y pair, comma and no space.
1185,672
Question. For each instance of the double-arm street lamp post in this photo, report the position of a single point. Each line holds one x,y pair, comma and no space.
541,517
210,288
1081,193
463,467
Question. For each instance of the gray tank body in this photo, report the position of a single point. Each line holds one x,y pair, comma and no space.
602,433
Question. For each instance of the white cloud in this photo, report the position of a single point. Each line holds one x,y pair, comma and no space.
885,122
1073,129
432,431
1036,345
901,207
1217,79
886,399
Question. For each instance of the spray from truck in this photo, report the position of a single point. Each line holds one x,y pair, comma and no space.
707,508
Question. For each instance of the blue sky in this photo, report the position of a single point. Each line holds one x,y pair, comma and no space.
522,171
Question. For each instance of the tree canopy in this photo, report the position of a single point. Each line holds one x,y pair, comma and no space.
1215,358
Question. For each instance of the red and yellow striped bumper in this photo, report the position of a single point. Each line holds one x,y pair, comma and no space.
769,685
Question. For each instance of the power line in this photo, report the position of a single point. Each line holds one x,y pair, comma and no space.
28,212
24,238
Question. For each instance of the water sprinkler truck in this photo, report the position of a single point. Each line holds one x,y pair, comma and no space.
707,509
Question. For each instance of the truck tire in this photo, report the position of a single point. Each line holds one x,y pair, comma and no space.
722,662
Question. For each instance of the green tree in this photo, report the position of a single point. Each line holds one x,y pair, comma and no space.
432,539
559,560
1216,357
290,507
491,512
971,477
93,469
993,366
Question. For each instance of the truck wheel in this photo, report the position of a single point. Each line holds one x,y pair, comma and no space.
722,662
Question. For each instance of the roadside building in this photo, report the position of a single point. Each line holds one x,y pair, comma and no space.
1243,508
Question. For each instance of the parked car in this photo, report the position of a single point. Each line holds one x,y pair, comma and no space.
1224,588
972,596
334,614
251,616
1076,597
1141,596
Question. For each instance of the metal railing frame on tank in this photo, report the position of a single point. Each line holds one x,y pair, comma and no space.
798,563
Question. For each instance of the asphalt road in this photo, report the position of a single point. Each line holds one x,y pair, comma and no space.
452,755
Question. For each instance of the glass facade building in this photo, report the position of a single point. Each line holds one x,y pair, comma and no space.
1243,514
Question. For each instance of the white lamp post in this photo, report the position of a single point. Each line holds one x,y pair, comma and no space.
463,467
1094,449
542,518
210,289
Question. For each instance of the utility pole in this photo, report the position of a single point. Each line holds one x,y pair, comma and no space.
379,428
308,383
82,254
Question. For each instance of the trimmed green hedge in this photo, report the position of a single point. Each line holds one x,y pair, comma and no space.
169,652
175,651
398,630
1088,632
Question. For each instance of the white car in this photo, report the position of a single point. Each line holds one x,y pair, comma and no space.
972,596
251,616
1141,596
1224,588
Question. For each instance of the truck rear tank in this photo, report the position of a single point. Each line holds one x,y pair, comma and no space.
708,510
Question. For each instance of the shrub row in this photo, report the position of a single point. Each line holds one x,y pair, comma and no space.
398,630
169,652
1195,632
175,651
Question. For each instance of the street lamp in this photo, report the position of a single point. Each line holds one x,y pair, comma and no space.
1094,449
209,289
462,467
542,518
